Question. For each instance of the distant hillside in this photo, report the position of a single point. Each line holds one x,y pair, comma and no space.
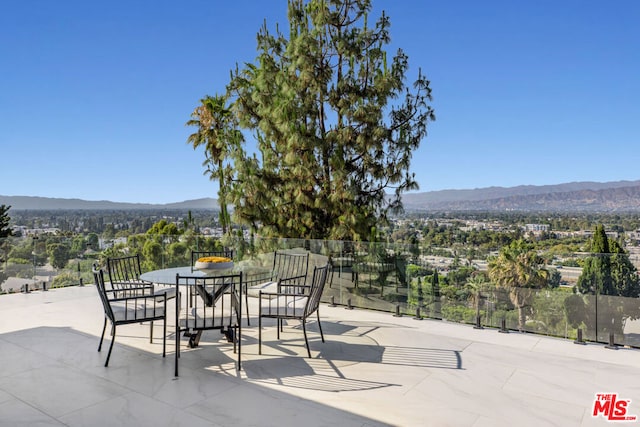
47,203
619,196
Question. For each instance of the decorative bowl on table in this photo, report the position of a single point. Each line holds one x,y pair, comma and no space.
213,263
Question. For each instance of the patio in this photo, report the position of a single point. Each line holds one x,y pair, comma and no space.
375,369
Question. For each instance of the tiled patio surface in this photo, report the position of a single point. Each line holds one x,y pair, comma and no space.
374,370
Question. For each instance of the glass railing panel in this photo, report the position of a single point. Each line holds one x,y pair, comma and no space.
395,278
547,314
43,261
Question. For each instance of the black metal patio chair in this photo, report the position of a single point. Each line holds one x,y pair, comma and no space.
298,304
290,266
124,274
226,253
122,307
220,309
124,278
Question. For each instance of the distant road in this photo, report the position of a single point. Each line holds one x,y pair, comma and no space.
569,274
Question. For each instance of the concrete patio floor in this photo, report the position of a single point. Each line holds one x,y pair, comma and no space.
373,370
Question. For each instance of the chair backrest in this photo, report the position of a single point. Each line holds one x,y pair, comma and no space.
130,305
212,299
124,271
195,255
287,265
98,279
318,281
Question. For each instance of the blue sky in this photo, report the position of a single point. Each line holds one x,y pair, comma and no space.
94,95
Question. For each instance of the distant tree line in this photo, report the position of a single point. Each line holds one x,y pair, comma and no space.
110,224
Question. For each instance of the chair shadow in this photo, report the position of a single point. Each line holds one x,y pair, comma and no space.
393,355
345,344
374,353
297,372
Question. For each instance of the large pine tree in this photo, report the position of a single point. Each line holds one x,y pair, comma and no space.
5,230
334,121
609,274
608,271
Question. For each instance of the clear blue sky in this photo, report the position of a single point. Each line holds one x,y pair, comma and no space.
94,95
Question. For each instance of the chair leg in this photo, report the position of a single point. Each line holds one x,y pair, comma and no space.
320,325
259,334
104,328
239,340
113,340
177,319
233,335
177,352
306,341
164,337
246,301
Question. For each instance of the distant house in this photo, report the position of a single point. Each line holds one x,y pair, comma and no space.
536,228
40,231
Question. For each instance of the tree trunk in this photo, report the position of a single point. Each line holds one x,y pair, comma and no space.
521,298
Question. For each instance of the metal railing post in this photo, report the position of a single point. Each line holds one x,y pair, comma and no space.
398,314
612,342
478,323
503,326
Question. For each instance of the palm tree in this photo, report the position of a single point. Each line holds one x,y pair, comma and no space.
218,134
517,269
475,284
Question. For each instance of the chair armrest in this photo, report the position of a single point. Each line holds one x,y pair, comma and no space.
294,279
133,284
296,282
132,288
271,295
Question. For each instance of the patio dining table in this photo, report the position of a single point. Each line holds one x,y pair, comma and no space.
167,276
251,274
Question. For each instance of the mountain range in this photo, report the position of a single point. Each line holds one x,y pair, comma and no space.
618,196
48,203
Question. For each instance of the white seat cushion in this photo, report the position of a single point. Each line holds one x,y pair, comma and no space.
170,291
284,305
208,318
254,291
131,311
